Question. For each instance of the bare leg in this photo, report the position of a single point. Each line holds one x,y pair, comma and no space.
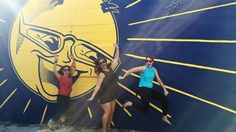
113,106
105,118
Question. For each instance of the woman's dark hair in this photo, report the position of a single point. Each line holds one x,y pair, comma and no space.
62,68
152,58
97,67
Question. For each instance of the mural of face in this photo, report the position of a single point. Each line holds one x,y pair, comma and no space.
44,29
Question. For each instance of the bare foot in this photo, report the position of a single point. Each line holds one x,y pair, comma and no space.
165,119
104,130
62,120
127,104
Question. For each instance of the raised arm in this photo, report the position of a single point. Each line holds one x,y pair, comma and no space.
73,65
55,68
161,83
116,58
135,69
97,87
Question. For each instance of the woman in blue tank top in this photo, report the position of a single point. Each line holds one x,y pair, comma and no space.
146,91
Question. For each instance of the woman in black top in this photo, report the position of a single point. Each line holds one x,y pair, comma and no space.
105,88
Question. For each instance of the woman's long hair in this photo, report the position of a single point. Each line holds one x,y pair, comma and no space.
62,68
98,68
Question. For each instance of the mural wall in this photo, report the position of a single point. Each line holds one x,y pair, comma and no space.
193,43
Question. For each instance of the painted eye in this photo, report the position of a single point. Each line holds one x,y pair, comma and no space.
45,39
84,53
87,53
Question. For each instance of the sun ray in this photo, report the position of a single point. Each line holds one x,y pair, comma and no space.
43,115
26,106
183,13
3,82
133,93
132,4
192,96
158,109
5,101
184,40
1,69
126,111
90,113
186,64
1,20
112,123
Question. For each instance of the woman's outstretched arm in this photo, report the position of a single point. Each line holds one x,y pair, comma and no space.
97,87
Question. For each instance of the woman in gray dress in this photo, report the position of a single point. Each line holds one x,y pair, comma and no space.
106,88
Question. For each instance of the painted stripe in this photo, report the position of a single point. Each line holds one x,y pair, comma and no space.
192,96
90,113
186,64
3,82
133,93
5,101
126,111
132,4
26,106
112,123
184,40
183,13
1,20
43,115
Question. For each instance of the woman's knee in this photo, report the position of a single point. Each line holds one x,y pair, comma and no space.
107,111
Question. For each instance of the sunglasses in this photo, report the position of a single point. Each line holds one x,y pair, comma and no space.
102,62
149,61
66,69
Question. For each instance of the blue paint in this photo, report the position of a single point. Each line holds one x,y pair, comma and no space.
188,114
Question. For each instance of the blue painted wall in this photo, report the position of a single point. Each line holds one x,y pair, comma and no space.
212,109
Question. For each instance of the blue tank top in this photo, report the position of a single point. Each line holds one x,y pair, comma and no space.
146,77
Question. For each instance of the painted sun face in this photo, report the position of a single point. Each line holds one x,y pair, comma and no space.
74,28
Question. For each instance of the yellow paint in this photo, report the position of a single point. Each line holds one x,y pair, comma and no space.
184,13
133,93
26,106
186,64
3,82
43,115
192,96
90,113
112,123
183,40
79,27
158,109
126,111
132,4
5,101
